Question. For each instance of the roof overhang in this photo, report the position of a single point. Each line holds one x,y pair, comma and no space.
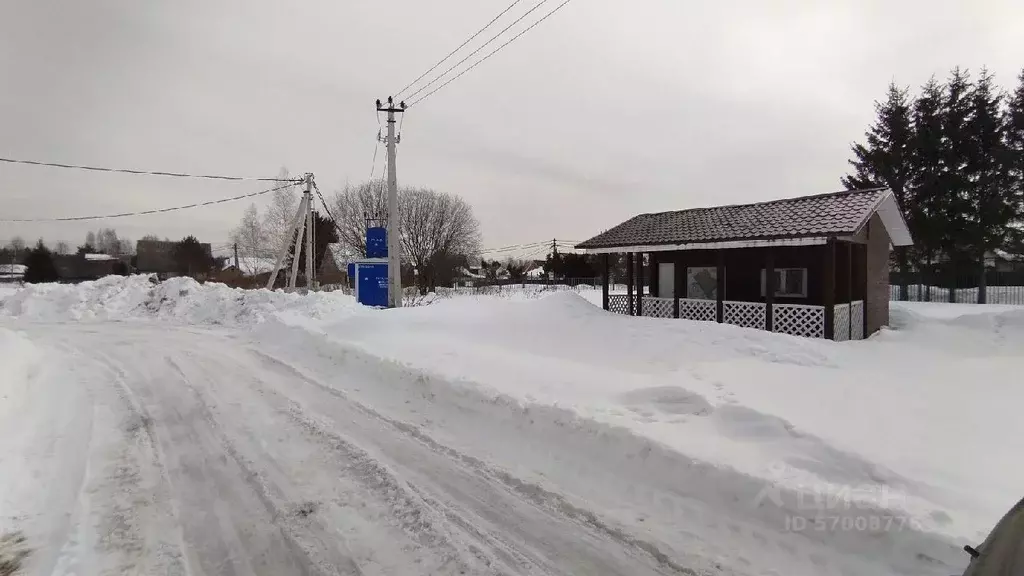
759,243
892,218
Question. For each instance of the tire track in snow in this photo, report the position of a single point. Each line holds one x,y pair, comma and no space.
547,500
413,515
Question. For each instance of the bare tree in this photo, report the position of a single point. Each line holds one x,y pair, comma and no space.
17,245
352,207
437,229
280,214
252,240
62,247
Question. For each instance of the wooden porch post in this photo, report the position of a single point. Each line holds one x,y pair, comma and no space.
720,287
655,288
769,288
679,270
864,286
605,273
849,289
640,283
629,282
829,288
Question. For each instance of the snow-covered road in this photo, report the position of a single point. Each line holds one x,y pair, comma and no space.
180,450
178,428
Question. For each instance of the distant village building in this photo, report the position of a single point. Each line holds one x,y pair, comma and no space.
12,273
811,266
74,268
157,257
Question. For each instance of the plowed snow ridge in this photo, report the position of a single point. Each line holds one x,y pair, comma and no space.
499,436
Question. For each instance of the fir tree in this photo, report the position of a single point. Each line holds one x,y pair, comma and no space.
926,179
887,159
957,111
39,265
990,203
1014,122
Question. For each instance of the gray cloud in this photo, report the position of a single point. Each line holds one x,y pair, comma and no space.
608,109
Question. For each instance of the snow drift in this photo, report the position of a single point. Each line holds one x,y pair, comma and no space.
881,456
176,299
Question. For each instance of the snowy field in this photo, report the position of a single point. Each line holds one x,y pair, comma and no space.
183,429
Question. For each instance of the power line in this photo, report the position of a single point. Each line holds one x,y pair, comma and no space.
143,172
478,49
156,211
485,58
452,53
513,248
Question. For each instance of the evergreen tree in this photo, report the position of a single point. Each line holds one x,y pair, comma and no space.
990,204
39,265
192,259
1014,122
926,180
957,112
887,159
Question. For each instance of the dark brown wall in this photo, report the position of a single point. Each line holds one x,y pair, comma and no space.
878,275
743,270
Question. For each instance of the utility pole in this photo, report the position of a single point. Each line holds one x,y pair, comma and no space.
236,257
394,257
309,232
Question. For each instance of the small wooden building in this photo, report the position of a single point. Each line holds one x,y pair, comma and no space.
827,256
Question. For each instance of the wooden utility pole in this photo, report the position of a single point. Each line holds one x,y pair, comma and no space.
236,256
394,246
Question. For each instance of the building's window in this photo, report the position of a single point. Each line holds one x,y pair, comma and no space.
789,282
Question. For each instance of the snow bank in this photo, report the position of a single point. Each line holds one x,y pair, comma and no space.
177,299
18,357
920,420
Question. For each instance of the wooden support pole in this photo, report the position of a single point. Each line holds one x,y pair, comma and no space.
629,282
605,273
679,269
849,289
720,287
829,288
864,287
769,288
640,283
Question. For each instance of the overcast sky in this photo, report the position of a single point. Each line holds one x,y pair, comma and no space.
608,109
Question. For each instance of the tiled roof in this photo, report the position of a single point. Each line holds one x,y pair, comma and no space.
839,213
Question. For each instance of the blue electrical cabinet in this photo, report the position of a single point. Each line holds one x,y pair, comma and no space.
376,243
371,281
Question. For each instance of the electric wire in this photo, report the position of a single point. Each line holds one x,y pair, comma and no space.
460,47
485,58
154,211
478,49
142,172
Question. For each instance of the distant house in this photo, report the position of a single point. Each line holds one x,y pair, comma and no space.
249,265
157,257
12,273
74,268
826,259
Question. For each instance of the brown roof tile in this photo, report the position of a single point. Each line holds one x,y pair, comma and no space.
838,213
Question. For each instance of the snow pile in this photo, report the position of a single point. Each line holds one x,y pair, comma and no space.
920,421
176,299
18,356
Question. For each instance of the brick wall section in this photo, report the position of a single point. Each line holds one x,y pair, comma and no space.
878,275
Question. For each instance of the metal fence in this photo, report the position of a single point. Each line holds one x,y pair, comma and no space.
1000,288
